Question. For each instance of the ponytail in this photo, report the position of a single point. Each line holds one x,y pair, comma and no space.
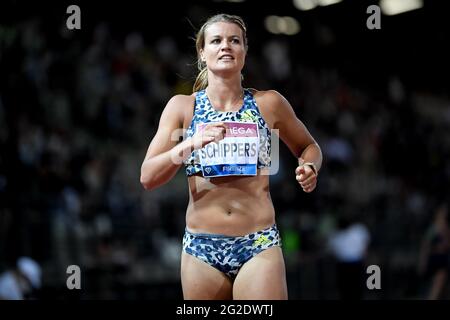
201,82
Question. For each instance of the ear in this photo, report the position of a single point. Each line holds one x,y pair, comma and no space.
202,57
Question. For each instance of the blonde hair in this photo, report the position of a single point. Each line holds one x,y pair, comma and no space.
201,82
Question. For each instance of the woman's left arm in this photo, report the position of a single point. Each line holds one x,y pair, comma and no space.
297,137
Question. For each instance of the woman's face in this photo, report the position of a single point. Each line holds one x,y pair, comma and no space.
224,50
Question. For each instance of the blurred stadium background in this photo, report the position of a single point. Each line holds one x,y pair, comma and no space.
78,109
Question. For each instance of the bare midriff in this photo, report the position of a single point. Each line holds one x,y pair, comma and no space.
233,206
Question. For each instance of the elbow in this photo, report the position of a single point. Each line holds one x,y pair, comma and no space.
145,185
154,177
146,182
147,177
150,182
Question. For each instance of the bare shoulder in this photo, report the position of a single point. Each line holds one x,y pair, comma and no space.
179,106
180,100
269,99
273,106
265,93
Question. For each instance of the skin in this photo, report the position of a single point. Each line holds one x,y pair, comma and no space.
233,206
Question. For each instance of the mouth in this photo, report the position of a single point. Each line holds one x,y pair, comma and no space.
226,57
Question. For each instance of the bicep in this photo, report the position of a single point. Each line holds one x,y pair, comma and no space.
169,129
292,131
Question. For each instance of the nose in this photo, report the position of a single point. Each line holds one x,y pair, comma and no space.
225,45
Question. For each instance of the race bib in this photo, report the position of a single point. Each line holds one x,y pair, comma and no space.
235,155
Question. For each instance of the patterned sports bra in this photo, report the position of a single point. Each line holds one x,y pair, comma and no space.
249,112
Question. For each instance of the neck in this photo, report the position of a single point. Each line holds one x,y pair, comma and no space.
225,94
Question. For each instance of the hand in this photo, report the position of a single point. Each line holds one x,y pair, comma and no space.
306,177
211,132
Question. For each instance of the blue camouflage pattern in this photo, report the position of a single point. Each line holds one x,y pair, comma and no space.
228,254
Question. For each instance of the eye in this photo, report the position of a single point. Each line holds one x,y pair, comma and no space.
236,40
217,40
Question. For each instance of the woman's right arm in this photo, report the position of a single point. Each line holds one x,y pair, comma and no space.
160,163
164,156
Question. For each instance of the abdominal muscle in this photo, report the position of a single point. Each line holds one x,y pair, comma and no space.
233,206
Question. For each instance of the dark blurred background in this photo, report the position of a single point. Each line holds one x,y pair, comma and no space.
78,109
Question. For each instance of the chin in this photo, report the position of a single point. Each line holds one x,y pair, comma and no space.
226,70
